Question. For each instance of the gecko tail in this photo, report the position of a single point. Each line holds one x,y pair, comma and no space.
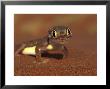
16,46
18,49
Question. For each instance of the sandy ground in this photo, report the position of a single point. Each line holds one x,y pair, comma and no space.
82,47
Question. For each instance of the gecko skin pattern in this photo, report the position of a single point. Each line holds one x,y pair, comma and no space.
51,46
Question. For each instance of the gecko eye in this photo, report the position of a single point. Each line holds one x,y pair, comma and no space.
54,33
68,32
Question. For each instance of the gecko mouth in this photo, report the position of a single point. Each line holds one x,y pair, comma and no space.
62,40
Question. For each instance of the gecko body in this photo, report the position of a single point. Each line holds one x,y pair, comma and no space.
51,46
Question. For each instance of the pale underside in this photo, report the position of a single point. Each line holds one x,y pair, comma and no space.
32,50
29,50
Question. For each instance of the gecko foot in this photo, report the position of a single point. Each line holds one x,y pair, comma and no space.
45,60
41,61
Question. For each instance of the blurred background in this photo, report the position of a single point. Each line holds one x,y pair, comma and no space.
34,26
82,46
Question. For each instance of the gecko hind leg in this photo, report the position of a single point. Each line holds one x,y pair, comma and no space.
38,55
40,59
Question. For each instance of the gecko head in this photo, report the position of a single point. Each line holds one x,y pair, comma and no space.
60,34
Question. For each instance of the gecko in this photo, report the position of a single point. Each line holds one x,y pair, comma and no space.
51,46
